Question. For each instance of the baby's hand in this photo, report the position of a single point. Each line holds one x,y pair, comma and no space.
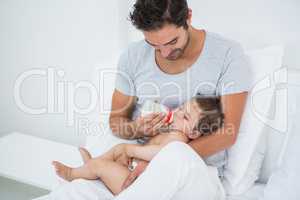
140,168
120,155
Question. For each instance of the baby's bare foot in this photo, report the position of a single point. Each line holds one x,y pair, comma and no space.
84,154
63,171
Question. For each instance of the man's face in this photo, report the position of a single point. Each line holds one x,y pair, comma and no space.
170,41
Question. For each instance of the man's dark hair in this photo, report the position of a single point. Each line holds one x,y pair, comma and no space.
151,15
213,116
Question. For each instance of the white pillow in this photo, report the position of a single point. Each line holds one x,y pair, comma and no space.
276,136
284,182
245,157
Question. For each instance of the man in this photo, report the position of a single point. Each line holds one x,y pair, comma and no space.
173,63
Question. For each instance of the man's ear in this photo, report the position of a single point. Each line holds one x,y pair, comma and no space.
189,19
194,134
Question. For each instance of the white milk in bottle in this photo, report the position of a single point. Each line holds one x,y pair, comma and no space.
154,107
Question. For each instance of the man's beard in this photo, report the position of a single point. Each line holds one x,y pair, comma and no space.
177,53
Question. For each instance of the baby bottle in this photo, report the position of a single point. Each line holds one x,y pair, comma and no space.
154,107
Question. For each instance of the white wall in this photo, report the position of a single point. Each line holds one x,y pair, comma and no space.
254,23
75,36
81,37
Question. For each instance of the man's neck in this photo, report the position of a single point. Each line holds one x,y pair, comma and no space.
189,57
196,40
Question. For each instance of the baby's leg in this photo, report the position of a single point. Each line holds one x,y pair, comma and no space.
84,154
111,173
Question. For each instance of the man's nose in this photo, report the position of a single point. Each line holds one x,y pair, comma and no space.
165,52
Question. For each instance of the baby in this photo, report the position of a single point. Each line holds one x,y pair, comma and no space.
199,116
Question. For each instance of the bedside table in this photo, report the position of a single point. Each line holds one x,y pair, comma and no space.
27,159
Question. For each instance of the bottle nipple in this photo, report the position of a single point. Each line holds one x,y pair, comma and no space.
170,117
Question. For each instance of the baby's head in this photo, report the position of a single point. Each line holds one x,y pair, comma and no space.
199,116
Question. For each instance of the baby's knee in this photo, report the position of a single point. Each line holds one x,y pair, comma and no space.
94,165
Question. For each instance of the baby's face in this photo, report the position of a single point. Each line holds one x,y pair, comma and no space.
186,117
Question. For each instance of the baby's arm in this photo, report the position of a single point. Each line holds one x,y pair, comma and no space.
148,151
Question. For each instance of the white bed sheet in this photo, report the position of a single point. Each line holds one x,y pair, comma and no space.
255,193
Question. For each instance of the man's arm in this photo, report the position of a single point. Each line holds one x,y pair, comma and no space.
233,107
120,117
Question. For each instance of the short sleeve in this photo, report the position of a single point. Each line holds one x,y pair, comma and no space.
236,74
125,77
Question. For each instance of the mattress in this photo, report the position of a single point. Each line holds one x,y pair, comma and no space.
255,193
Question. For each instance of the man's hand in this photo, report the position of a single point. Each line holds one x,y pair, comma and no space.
140,168
149,125
120,119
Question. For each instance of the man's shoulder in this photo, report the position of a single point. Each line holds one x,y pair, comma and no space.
138,49
134,55
218,39
221,46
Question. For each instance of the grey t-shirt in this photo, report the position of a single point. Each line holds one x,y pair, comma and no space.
221,69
